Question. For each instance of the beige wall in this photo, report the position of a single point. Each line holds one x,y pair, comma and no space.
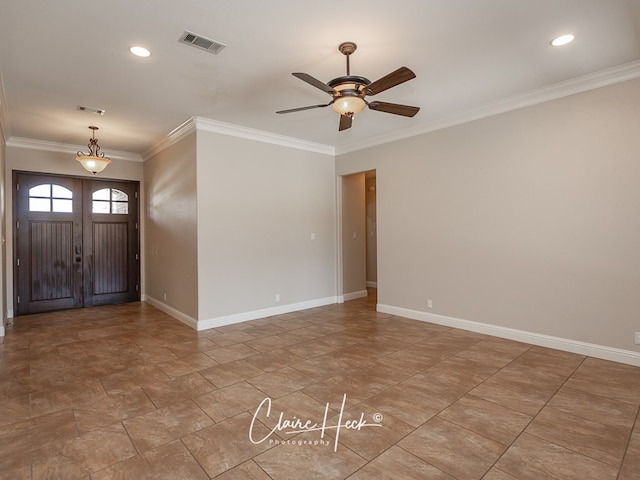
354,231
266,227
33,160
372,236
3,234
528,220
171,229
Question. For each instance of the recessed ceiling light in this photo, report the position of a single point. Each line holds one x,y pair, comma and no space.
140,51
562,40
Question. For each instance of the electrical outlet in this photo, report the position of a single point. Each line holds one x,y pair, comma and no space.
165,296
637,338
429,303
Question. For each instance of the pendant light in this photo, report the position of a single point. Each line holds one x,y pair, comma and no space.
94,161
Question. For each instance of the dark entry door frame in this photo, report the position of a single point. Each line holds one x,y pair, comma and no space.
76,242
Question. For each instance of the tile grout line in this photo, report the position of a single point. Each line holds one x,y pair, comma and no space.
193,456
636,424
509,408
494,465
445,408
595,421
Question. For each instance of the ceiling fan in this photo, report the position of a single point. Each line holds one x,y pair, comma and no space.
349,91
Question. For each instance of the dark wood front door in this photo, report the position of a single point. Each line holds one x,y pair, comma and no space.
76,242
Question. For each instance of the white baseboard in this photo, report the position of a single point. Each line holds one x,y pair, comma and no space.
372,284
353,295
177,314
263,313
583,348
1,330
237,317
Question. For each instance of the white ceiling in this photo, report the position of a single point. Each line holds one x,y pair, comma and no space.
470,57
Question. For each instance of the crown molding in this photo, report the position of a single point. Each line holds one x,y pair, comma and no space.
603,78
214,126
19,142
181,131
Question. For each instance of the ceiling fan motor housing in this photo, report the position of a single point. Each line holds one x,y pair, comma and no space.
349,85
346,79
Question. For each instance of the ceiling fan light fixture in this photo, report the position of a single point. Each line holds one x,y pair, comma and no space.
94,161
348,104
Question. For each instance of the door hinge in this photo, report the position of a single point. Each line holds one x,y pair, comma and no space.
18,262
136,194
18,299
136,225
137,287
18,225
137,256
17,187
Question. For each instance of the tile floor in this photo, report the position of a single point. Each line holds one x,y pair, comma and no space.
126,392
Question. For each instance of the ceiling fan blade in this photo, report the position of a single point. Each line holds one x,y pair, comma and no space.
315,82
401,75
300,109
395,108
345,122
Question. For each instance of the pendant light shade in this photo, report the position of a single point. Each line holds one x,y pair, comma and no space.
94,161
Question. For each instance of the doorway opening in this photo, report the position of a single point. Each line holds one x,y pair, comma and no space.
372,229
359,235
76,242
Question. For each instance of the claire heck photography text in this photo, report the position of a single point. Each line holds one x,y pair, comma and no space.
294,425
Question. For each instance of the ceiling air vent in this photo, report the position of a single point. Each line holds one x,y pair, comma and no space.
97,111
199,41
